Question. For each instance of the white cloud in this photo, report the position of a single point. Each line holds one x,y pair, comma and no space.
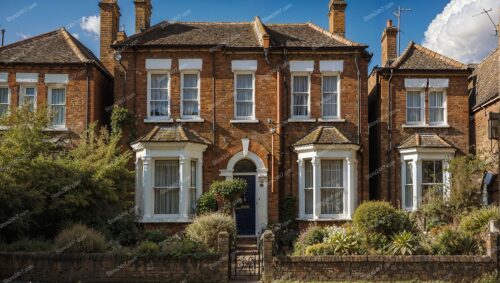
457,34
76,35
91,24
23,35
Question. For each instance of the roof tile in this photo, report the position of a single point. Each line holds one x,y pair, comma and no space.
324,135
172,134
425,140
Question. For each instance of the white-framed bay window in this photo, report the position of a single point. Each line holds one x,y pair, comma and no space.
437,107
424,175
415,106
190,94
327,181
244,95
57,105
169,180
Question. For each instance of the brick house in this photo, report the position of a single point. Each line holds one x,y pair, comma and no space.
485,103
418,121
55,70
279,105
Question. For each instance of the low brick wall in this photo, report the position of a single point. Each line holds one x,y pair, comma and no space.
383,268
50,267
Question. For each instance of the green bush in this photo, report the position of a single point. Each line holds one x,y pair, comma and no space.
382,218
345,242
319,249
477,221
404,243
377,242
147,248
453,242
155,236
177,246
80,238
27,245
205,229
229,191
311,236
125,230
206,204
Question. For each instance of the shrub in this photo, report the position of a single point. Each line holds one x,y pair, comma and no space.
125,230
404,243
311,236
80,238
155,236
319,249
180,246
205,229
477,221
147,248
377,242
206,204
381,217
27,245
345,242
453,242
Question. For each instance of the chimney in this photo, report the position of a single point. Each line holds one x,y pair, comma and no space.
122,35
337,17
143,10
110,21
389,43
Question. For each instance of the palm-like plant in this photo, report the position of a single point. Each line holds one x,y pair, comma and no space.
404,243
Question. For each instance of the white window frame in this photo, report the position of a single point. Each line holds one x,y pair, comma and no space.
344,188
22,94
169,97
190,117
292,103
244,118
311,188
9,96
404,178
422,106
49,102
330,74
196,182
445,107
443,162
154,188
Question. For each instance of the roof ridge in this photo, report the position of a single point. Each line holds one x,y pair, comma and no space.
488,56
440,56
182,133
73,45
333,36
405,53
17,43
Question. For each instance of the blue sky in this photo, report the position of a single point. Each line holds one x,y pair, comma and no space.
365,18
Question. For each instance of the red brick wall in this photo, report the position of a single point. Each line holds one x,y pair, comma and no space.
228,136
457,134
76,92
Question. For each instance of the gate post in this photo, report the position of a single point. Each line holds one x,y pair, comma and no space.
223,250
267,253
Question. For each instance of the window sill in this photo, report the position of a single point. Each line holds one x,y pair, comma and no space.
331,120
326,219
244,121
165,219
302,120
158,120
426,126
56,129
190,120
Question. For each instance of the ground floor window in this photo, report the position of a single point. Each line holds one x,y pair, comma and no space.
192,187
166,187
308,188
332,187
432,179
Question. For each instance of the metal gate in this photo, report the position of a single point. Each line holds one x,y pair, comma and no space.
246,265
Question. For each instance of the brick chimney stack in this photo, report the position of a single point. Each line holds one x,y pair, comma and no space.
336,17
143,11
389,43
110,22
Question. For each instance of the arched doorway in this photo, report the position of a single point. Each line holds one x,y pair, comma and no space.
252,169
246,170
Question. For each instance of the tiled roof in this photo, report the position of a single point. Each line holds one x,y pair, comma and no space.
56,47
487,78
324,135
416,57
425,140
172,134
235,35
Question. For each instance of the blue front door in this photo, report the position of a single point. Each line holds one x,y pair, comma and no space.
245,213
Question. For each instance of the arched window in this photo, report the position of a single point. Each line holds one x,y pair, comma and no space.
245,166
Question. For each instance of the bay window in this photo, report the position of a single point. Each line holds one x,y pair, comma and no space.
300,96
244,96
57,105
308,188
408,185
432,179
190,95
166,187
192,187
158,95
330,97
332,187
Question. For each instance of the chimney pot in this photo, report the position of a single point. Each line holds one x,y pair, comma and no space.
389,23
389,43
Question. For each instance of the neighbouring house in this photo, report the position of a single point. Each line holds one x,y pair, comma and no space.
485,110
418,121
282,106
56,71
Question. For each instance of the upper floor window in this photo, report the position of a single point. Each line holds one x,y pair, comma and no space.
190,93
414,107
28,97
57,105
437,107
330,99
166,187
158,95
300,96
4,100
245,95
